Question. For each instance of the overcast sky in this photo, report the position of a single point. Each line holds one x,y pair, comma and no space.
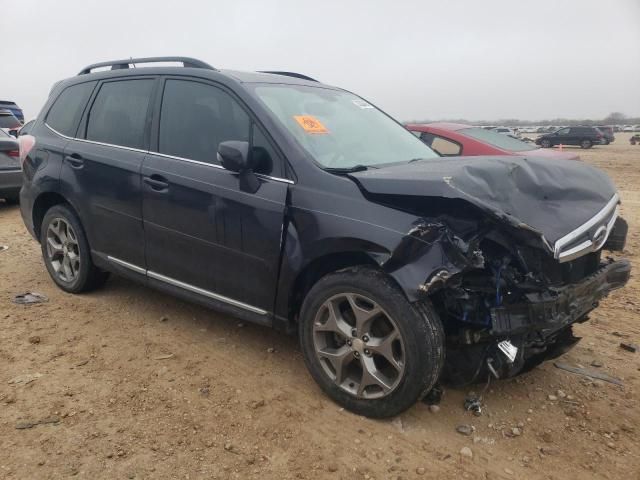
421,59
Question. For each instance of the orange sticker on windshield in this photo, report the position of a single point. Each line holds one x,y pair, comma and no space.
310,124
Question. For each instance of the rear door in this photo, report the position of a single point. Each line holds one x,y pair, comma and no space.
101,171
203,233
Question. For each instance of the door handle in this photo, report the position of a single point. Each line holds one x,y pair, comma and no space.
157,182
74,160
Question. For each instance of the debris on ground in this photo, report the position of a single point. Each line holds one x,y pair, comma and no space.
588,373
466,452
24,424
3,248
30,298
24,379
465,429
164,357
473,403
629,347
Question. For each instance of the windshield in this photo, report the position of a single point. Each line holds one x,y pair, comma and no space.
496,139
339,129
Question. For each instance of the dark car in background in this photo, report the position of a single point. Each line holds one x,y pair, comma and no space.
13,108
10,171
456,139
8,121
607,134
585,137
303,207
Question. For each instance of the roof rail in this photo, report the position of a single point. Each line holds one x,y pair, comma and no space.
290,74
187,62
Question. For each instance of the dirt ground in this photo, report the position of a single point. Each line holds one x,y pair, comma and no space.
135,384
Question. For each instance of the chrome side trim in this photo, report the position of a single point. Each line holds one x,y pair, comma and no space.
220,167
131,149
206,293
587,245
186,286
128,265
276,179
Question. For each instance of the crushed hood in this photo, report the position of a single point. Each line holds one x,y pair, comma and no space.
551,197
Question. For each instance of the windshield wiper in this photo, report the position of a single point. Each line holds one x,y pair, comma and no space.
355,168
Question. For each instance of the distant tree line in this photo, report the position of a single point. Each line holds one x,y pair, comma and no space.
615,118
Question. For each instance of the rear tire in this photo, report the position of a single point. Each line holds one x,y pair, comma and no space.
367,347
66,252
586,144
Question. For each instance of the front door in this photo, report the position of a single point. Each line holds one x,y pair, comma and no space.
203,233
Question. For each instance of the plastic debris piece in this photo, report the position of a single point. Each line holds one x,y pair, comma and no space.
30,298
588,373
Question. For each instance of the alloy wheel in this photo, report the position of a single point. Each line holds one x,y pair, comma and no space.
359,346
63,250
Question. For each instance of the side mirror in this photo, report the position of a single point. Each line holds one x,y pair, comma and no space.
13,133
234,156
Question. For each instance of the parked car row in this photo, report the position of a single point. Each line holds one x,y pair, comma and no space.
452,139
301,206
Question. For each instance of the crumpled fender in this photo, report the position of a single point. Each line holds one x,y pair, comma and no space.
418,257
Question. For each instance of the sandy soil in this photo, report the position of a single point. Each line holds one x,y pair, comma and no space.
235,401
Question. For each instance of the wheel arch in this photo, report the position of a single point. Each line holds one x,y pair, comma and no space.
43,203
319,267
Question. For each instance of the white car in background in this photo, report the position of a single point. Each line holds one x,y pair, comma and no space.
507,131
627,128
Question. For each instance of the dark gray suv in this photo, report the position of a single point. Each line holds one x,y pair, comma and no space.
301,206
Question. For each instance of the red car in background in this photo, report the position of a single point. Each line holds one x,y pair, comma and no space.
455,139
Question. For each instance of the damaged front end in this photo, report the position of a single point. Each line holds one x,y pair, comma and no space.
509,269
507,318
506,303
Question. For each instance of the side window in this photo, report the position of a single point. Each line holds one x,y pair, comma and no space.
118,115
196,117
564,131
445,147
66,111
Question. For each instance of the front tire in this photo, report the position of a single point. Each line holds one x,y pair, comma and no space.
546,143
66,252
586,144
367,347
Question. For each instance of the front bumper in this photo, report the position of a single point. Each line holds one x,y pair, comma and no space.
546,313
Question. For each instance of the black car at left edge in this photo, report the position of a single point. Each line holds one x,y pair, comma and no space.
301,206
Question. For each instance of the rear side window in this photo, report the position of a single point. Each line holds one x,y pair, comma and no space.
66,111
446,147
118,115
196,117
